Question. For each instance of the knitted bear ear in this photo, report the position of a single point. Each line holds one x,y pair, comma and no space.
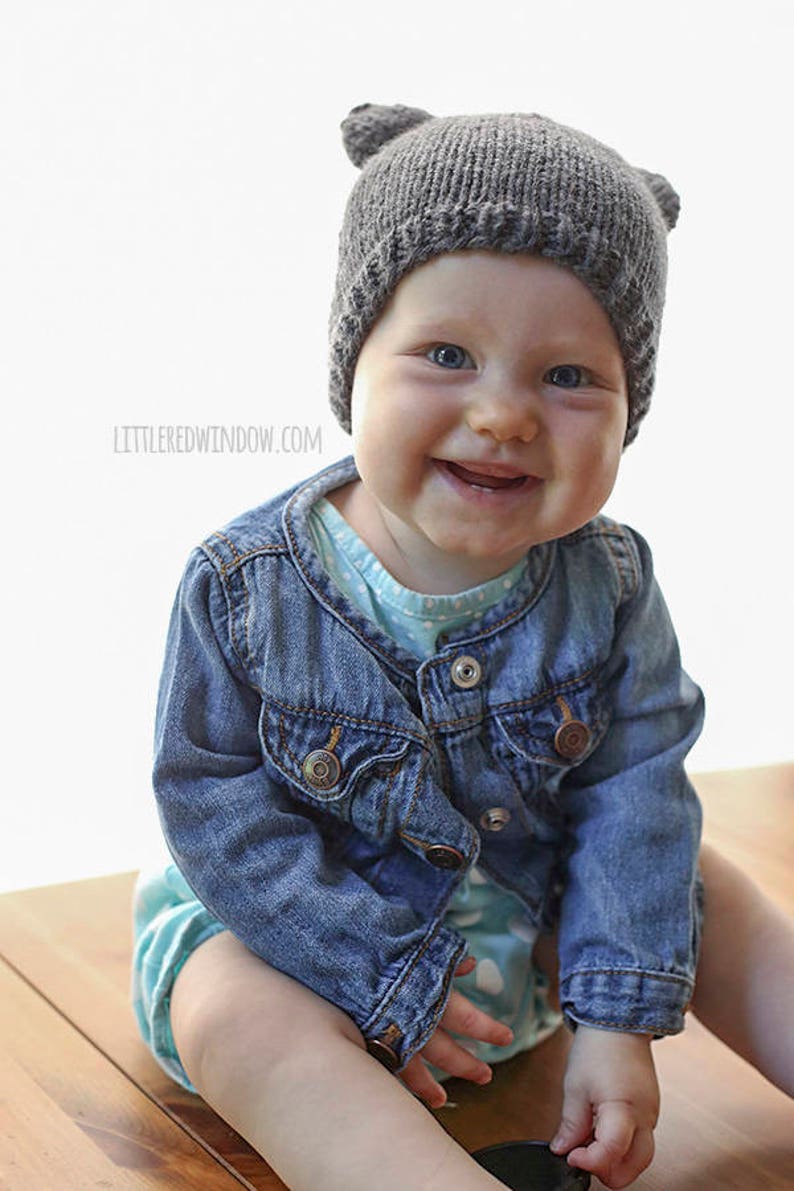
666,197
371,125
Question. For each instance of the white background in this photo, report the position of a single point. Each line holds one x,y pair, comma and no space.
173,183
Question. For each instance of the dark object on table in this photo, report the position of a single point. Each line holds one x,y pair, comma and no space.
531,1166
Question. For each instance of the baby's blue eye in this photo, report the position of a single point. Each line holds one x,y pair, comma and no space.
567,376
448,355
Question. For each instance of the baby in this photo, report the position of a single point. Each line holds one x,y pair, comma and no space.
426,707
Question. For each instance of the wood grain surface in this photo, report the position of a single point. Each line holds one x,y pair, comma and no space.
85,1105
72,1119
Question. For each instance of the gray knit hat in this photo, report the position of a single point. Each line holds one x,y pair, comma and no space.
513,183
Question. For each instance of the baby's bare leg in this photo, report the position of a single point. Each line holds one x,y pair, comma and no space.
745,979
290,1073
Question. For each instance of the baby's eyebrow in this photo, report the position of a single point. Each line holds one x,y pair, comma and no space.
449,328
439,328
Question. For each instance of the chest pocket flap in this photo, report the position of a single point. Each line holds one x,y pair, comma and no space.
560,728
328,758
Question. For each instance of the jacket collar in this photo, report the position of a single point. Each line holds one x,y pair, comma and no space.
295,520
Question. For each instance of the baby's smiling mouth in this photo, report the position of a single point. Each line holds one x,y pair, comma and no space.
497,476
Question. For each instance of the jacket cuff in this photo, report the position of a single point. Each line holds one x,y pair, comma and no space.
398,1027
622,999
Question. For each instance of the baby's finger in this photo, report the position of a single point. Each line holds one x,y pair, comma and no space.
466,966
639,1156
464,1018
576,1122
615,1172
417,1078
444,1052
606,1156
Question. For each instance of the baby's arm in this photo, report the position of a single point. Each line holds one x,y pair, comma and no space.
255,853
630,911
630,915
610,1105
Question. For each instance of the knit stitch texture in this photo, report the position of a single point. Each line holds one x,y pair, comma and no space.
509,183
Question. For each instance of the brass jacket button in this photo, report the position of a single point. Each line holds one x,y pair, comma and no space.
321,769
572,739
442,856
466,671
495,818
383,1053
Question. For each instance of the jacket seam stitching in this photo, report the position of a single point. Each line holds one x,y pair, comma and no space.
477,636
496,709
622,592
414,796
361,631
206,546
600,526
437,1012
626,1024
265,548
284,744
222,576
228,568
229,542
627,562
351,719
383,1007
357,630
665,977
354,628
391,775
247,619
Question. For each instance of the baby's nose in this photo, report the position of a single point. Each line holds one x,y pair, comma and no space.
504,414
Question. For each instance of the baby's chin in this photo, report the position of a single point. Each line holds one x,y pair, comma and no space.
475,561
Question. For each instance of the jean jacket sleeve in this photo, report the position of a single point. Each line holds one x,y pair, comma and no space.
630,914
257,858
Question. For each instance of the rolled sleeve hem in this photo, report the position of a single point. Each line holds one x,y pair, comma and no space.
636,1001
396,1026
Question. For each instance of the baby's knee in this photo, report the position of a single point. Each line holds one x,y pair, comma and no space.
236,1019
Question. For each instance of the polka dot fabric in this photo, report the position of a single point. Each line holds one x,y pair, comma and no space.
411,617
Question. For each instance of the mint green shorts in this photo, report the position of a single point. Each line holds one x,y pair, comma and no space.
170,923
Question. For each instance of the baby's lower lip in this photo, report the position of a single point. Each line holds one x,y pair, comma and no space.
483,481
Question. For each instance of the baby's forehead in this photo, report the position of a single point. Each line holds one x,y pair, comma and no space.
487,287
483,272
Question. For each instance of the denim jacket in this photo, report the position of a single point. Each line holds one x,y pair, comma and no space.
325,792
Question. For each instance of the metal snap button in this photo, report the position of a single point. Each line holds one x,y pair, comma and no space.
442,856
572,740
466,671
322,769
495,818
383,1053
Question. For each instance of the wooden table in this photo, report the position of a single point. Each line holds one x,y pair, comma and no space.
84,1104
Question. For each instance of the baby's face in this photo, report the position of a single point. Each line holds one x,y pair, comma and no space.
489,410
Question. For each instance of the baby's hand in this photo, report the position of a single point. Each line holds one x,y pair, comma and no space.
610,1105
462,1017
